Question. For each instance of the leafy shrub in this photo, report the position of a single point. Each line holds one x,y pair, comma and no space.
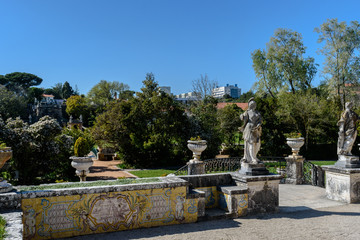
81,147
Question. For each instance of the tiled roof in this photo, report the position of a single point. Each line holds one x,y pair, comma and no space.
243,106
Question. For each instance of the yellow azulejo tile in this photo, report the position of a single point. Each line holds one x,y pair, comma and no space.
211,196
64,216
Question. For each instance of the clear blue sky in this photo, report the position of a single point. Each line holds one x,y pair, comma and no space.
85,41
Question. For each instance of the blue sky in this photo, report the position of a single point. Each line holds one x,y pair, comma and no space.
85,41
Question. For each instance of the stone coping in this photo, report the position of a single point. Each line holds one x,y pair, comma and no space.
165,182
231,190
247,178
335,169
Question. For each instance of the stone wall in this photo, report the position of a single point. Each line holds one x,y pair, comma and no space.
65,213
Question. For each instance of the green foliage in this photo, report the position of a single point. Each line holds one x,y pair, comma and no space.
282,67
105,91
148,131
341,48
204,123
2,227
33,93
11,105
152,173
229,123
82,147
76,106
40,151
19,81
293,135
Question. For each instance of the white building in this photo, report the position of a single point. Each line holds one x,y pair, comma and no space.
186,97
233,91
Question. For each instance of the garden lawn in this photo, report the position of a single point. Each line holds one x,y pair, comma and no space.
2,228
152,173
321,163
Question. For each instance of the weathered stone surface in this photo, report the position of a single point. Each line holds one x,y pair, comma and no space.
263,192
217,179
196,168
348,162
13,224
294,169
342,184
252,169
10,200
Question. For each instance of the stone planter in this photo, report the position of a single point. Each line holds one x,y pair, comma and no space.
82,165
197,147
5,154
295,144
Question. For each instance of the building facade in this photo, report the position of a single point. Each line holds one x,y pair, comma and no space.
232,91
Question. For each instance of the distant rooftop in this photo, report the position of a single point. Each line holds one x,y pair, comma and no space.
243,106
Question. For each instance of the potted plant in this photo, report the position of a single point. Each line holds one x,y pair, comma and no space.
81,161
5,155
295,141
197,146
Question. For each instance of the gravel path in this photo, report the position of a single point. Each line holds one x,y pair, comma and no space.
339,222
107,170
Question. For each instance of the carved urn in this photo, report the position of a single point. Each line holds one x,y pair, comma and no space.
295,144
82,165
5,154
197,147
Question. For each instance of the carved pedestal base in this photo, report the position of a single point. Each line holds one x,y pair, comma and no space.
294,170
252,169
342,184
348,162
263,192
196,167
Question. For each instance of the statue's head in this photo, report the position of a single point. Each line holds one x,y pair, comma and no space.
252,103
348,105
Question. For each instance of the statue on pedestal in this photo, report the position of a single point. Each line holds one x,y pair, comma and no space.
251,132
347,137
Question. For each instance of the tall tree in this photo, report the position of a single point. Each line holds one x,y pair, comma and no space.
67,91
19,81
11,105
203,86
341,49
105,91
282,66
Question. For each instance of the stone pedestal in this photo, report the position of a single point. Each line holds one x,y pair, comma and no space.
294,169
263,192
251,169
342,184
196,167
348,162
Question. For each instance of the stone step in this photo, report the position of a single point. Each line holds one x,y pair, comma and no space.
215,214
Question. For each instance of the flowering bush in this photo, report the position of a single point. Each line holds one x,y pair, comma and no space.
40,151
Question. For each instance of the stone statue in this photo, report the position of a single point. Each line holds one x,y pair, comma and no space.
347,130
347,137
251,132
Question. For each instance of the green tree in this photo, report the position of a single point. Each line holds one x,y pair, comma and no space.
341,49
229,123
282,66
205,123
105,91
55,90
19,81
33,93
11,105
67,91
147,131
76,106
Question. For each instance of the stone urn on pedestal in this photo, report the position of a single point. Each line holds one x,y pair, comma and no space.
81,162
195,165
5,155
295,162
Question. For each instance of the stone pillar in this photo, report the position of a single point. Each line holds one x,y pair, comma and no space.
342,184
294,169
196,167
263,192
